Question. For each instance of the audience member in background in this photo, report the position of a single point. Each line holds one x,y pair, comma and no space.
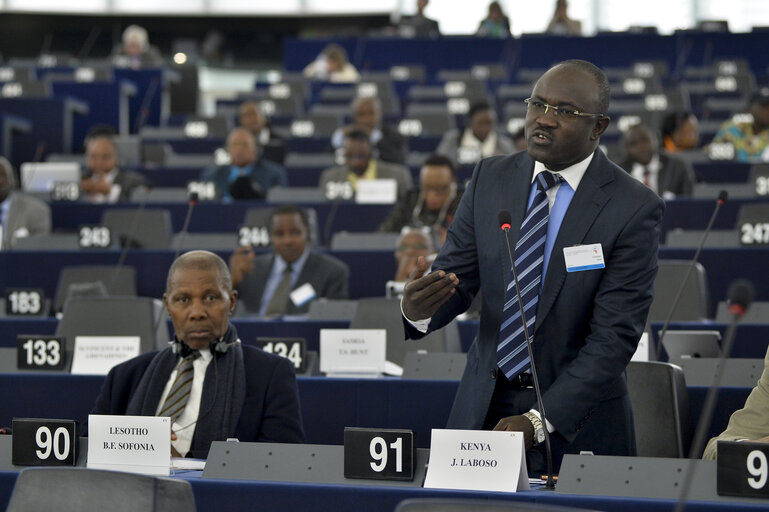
496,24
360,165
749,138
287,280
413,243
561,24
367,116
751,423
668,175
20,215
235,390
249,175
680,132
251,117
519,140
135,51
419,25
332,65
479,139
104,182
433,204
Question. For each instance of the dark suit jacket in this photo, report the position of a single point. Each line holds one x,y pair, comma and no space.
266,173
588,323
327,275
270,411
392,145
675,175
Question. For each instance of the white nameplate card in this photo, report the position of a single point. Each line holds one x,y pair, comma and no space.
136,444
353,352
96,355
477,460
376,192
642,351
583,257
303,295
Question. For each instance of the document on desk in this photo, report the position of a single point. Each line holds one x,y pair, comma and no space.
184,464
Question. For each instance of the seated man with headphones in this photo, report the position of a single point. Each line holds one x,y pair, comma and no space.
209,384
433,204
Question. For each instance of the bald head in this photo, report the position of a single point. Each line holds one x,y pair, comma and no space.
367,113
200,260
242,147
250,116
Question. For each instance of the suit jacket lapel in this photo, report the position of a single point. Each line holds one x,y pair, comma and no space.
515,189
585,206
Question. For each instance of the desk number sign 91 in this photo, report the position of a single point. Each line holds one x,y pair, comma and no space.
379,454
42,442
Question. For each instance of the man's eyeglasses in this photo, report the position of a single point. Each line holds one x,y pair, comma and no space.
541,108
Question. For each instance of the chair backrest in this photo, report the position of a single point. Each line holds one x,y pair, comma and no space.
147,229
325,309
693,304
346,241
115,316
382,313
117,280
473,505
757,313
204,241
660,408
77,489
295,195
755,212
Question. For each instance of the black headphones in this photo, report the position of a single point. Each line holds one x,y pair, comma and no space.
218,346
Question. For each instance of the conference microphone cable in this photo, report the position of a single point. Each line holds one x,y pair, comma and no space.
719,203
505,224
740,294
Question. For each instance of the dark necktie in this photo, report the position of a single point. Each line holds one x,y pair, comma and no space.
279,301
512,355
179,393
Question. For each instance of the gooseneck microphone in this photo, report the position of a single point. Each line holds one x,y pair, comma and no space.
719,203
740,294
505,221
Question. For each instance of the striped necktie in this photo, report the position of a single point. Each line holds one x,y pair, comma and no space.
279,302
179,393
512,354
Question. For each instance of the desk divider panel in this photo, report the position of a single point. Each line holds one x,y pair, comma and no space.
281,462
639,477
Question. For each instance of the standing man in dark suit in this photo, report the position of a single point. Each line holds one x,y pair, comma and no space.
667,175
285,281
209,384
585,324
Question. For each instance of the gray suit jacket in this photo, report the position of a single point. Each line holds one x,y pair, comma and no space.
385,170
327,275
28,213
449,146
676,175
588,323
752,421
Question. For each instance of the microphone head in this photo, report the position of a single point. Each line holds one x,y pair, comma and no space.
741,294
193,197
505,219
722,196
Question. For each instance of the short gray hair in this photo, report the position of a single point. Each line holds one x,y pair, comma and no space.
200,260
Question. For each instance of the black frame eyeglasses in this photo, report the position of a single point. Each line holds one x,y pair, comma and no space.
542,108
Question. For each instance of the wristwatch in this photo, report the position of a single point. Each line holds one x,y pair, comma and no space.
539,429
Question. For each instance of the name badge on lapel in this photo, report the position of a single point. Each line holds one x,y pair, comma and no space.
583,257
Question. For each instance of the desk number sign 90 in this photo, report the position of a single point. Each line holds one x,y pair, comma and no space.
42,442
